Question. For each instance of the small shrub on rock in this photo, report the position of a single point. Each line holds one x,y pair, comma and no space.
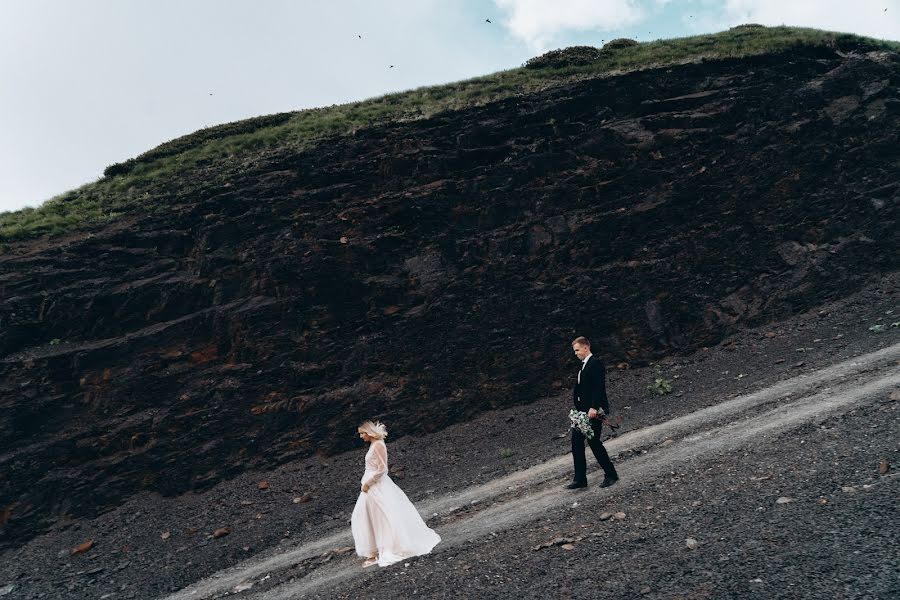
121,168
572,56
661,385
847,42
618,43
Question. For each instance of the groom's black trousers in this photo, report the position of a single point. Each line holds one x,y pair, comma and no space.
597,448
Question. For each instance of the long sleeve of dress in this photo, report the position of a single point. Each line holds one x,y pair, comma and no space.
376,463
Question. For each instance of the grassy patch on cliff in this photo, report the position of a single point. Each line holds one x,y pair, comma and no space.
142,183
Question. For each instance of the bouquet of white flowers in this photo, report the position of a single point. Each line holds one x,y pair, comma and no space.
582,423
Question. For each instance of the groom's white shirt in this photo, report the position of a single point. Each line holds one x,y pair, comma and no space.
584,362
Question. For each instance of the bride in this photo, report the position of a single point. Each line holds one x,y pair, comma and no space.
386,526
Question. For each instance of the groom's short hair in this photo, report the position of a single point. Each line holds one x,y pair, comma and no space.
582,340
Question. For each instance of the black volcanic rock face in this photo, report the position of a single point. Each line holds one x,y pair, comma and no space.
427,271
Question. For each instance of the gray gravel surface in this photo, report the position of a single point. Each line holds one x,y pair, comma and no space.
835,535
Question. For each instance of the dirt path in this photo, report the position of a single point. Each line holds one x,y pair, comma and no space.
525,495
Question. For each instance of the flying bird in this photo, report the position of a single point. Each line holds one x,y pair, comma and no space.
359,36
391,67
488,20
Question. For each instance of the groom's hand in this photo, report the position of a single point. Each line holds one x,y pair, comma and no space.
592,413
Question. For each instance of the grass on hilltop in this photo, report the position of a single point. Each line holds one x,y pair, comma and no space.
141,183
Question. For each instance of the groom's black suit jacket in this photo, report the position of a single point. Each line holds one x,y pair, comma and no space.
591,391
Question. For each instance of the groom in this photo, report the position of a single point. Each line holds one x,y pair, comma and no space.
590,395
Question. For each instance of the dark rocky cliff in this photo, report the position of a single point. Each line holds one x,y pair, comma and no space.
426,271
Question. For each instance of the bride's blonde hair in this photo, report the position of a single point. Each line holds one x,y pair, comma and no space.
374,429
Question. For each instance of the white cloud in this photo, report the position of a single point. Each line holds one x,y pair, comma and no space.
863,17
539,22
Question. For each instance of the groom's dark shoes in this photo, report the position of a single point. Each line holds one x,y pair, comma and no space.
576,484
608,481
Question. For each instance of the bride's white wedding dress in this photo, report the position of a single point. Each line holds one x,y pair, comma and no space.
384,521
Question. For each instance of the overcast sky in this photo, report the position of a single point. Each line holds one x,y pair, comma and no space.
86,83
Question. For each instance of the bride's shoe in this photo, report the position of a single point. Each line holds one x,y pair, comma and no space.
372,560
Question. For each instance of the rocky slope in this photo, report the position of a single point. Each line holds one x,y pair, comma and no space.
150,546
424,272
